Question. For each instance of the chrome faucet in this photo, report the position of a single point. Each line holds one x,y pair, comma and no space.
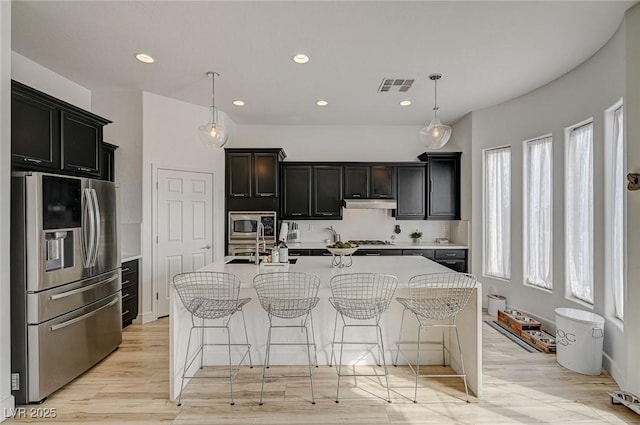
260,234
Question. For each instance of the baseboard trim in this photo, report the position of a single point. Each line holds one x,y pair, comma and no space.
144,318
612,367
8,405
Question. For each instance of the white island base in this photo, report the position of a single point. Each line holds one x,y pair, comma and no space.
403,267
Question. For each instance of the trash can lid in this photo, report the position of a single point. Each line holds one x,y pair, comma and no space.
580,316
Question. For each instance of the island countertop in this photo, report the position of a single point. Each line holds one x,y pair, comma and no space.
403,267
398,245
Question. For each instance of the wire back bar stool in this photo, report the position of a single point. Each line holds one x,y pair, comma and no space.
361,296
436,297
209,296
289,295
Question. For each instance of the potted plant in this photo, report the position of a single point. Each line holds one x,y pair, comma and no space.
416,236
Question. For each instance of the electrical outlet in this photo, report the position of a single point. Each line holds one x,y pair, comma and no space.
312,228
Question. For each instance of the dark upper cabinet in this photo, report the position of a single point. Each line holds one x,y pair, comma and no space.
35,137
253,173
108,162
327,191
239,174
357,180
443,180
48,134
411,192
296,187
81,143
265,174
383,181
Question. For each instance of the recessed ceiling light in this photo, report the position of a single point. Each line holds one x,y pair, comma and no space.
238,102
300,58
405,103
322,103
145,58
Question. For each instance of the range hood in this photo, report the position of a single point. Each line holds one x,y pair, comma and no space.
371,204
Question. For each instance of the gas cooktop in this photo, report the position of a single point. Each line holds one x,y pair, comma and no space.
369,242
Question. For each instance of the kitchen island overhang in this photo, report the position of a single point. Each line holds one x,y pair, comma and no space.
403,267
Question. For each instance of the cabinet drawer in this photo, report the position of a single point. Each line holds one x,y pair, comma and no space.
130,266
377,252
427,253
130,279
459,266
298,252
445,254
320,252
129,308
129,292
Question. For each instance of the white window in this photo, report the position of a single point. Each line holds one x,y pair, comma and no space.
537,212
578,220
614,210
497,212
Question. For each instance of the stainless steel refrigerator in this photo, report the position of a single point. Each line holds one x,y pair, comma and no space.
65,280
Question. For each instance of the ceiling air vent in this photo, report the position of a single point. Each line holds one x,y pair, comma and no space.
395,85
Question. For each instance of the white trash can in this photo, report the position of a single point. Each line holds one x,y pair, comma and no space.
496,302
579,336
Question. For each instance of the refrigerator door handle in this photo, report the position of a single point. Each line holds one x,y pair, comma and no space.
82,289
70,322
87,227
97,218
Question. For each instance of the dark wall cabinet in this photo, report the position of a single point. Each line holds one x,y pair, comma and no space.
443,180
108,162
311,191
370,181
130,282
48,134
411,192
252,179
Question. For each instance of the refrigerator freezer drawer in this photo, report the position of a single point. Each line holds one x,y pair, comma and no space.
63,348
52,303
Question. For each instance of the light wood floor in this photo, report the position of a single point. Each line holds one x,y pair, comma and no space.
131,387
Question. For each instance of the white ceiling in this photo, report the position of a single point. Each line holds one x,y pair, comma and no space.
489,52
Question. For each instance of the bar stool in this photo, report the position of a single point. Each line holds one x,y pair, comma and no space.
209,296
436,297
288,295
361,296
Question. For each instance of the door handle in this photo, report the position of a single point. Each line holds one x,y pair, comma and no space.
81,289
206,247
54,328
98,218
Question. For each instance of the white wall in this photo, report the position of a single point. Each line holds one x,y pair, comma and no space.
632,112
6,399
124,108
170,140
37,76
586,92
360,143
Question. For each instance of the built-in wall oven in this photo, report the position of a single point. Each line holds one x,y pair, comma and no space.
243,231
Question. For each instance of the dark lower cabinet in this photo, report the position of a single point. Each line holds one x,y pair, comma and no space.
327,191
298,252
376,252
296,196
455,259
130,283
426,253
411,193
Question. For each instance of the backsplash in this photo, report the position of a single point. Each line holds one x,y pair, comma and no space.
377,224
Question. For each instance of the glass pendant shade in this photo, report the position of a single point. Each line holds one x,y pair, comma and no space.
436,134
213,133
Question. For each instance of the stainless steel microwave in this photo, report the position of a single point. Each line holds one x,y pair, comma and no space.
243,226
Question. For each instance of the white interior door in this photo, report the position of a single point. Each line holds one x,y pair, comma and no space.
184,228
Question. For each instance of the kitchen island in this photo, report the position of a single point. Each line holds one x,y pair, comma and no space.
403,267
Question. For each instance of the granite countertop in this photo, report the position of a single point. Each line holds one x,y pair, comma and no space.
399,245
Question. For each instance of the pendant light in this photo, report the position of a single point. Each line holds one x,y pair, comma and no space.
213,133
435,135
